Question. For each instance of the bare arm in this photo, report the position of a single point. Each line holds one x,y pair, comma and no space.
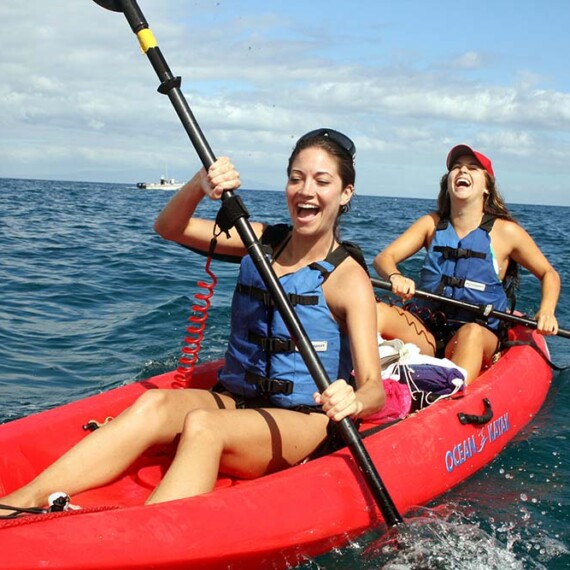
177,223
522,248
418,235
350,296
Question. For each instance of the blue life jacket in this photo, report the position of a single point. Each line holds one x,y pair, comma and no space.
261,359
463,269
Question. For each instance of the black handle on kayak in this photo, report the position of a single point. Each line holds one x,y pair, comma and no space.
474,419
483,310
170,86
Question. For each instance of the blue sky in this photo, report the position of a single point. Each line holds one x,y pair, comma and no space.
406,79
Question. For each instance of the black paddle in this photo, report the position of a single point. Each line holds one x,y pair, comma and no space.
170,86
484,310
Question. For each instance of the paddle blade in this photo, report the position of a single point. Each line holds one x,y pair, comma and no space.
114,5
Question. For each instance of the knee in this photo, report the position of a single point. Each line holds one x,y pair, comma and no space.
200,424
468,336
471,333
151,407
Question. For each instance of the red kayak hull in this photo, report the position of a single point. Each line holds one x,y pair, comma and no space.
275,521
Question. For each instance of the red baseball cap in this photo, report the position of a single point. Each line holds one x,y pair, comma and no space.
462,149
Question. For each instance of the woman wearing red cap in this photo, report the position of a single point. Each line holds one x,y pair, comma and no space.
473,249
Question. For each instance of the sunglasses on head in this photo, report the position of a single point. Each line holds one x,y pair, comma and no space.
341,140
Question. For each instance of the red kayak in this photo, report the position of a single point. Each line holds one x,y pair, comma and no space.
274,521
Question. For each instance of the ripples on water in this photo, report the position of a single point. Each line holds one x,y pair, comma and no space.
91,299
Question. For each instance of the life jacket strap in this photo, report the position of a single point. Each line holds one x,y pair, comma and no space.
265,296
272,344
452,281
448,252
269,385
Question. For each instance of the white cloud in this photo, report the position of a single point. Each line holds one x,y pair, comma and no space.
468,60
78,98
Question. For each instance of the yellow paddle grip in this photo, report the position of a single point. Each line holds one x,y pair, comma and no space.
146,39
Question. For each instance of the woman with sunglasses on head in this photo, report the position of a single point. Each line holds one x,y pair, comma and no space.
265,414
473,249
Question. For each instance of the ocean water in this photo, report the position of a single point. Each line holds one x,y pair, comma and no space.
91,299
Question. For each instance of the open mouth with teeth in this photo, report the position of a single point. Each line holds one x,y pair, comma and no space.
462,183
307,210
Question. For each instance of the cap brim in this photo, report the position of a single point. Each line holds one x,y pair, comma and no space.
457,151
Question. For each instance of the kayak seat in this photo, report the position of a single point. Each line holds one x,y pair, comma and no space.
149,477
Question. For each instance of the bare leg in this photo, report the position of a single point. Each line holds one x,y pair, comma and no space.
395,322
242,443
155,418
471,347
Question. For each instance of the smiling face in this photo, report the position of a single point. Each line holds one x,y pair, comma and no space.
467,179
315,191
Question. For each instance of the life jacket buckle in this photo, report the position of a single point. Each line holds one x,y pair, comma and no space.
452,281
272,344
273,386
270,385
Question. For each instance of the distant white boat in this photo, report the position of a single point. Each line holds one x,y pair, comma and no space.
164,184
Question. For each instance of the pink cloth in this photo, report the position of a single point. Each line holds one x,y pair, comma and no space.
397,406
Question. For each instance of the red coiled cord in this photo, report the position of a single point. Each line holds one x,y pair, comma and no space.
195,330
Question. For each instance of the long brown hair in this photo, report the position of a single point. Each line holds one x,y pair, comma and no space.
493,202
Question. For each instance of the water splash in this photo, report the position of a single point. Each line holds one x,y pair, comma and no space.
446,538
452,543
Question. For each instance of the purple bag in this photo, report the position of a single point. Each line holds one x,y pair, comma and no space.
428,382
